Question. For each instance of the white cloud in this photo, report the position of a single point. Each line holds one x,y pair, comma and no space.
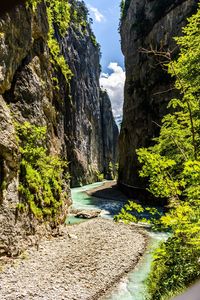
97,15
114,85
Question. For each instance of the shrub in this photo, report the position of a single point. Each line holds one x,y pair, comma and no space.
172,167
41,185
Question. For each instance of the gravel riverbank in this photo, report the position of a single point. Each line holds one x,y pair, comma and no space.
82,264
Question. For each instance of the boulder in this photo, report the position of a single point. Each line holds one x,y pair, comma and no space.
87,214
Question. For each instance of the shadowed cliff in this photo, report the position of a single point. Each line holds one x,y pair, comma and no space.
49,77
146,25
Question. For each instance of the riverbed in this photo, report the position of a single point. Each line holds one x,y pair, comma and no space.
96,259
83,201
81,262
132,286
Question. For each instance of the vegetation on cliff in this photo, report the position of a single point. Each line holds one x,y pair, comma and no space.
42,42
172,167
124,5
41,179
60,15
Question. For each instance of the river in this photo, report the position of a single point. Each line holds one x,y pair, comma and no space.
133,286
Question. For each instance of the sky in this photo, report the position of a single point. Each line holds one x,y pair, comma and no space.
105,15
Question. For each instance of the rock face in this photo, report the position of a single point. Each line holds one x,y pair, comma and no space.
110,134
148,88
92,134
23,53
33,90
86,214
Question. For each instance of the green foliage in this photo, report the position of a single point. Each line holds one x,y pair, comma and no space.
100,176
172,166
79,15
176,261
59,11
41,175
116,168
157,168
80,19
33,4
124,5
59,14
21,207
111,170
175,266
94,41
3,185
130,213
122,8
135,212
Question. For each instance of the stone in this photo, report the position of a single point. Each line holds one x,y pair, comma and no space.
72,236
84,264
87,214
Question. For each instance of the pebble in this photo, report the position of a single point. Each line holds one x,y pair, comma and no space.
81,265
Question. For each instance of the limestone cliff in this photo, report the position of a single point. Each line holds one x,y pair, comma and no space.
109,138
148,88
36,86
84,128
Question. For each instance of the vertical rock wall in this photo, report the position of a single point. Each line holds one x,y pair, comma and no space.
148,88
70,110
110,134
83,119
85,132
24,83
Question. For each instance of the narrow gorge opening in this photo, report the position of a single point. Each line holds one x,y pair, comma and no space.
100,150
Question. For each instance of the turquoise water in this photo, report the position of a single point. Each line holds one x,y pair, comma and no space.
83,201
133,286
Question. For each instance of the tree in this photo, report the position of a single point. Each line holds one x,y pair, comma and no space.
172,167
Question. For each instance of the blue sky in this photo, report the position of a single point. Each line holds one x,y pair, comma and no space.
105,15
105,26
